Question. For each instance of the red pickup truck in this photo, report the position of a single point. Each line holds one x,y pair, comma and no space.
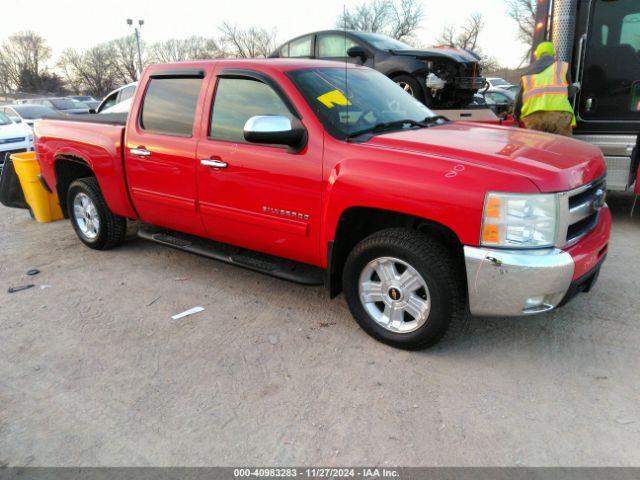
320,173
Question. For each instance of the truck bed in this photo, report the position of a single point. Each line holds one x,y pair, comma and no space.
100,118
95,140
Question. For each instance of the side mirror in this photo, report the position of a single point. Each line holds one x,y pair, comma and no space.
16,119
357,52
275,130
92,110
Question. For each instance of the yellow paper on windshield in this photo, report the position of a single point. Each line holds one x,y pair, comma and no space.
333,98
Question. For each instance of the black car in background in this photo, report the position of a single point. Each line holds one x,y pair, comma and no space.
88,100
439,77
27,113
63,105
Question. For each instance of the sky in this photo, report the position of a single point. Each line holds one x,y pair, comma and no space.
83,23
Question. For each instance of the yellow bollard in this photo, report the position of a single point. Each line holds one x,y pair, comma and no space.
44,205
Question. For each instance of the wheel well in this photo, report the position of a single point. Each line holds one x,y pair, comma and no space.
357,223
68,169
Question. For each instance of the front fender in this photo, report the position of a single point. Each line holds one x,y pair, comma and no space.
446,191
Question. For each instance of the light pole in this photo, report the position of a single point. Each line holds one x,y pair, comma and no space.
137,29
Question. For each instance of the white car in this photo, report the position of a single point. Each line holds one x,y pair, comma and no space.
122,107
14,138
497,82
116,97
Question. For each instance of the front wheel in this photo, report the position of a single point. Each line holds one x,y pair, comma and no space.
410,85
91,218
403,288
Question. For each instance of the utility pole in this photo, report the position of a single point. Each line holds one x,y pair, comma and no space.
136,30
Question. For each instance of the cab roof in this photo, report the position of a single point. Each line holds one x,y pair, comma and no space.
260,64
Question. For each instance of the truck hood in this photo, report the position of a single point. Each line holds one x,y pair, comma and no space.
552,162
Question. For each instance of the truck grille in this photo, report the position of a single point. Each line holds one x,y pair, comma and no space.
581,209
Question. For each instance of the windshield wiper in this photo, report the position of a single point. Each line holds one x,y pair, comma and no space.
436,119
387,127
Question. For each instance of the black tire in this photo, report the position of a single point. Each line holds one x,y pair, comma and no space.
432,260
112,228
412,83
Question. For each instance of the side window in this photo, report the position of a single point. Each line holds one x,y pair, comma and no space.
237,100
126,93
284,51
110,101
333,45
300,47
169,105
611,71
630,31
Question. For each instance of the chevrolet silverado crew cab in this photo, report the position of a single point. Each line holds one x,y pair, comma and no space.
318,172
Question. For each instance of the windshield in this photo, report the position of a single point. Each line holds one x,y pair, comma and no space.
31,112
499,81
371,99
4,120
382,42
66,103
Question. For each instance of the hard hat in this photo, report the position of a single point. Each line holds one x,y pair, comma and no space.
545,48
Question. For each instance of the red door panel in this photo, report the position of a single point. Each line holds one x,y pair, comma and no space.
160,150
163,184
266,198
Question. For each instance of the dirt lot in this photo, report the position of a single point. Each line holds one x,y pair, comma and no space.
93,370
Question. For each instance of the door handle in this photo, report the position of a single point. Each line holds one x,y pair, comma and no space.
213,163
141,152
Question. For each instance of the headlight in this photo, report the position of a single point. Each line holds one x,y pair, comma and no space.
519,220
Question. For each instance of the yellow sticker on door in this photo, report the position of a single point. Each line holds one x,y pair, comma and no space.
333,98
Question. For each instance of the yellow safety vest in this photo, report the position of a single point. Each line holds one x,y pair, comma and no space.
547,91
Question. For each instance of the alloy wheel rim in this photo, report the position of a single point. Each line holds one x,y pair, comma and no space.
86,216
406,87
394,295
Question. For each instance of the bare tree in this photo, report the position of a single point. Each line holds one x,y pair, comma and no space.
367,17
466,37
247,43
92,71
397,18
23,52
125,59
523,12
407,16
193,48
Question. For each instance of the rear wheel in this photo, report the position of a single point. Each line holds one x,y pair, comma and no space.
403,288
91,218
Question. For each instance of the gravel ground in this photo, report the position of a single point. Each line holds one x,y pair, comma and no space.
94,372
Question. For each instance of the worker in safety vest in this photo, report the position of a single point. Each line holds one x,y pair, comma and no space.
543,100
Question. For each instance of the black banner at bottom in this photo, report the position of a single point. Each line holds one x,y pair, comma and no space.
316,473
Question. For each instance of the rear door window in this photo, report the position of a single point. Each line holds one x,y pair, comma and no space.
301,47
169,106
126,93
333,45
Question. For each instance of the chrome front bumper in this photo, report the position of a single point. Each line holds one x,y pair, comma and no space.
516,282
